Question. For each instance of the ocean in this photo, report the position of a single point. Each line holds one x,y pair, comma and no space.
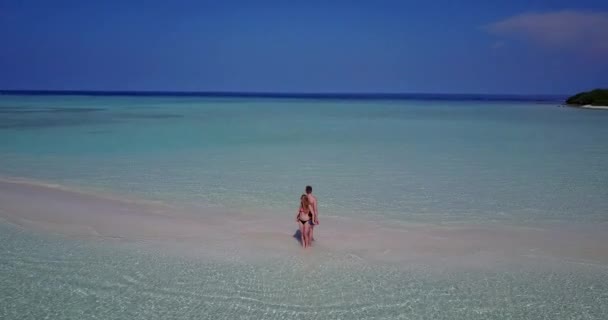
431,207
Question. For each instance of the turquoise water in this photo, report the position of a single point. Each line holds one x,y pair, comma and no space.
411,161
43,276
403,162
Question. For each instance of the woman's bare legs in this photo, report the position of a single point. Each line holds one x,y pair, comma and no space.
302,234
309,233
306,235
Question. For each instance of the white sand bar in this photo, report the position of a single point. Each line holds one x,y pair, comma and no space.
213,232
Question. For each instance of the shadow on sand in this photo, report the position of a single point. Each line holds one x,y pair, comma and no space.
298,236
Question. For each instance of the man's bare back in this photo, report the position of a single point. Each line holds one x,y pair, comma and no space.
313,202
315,214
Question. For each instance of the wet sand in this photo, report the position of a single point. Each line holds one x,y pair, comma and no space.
222,234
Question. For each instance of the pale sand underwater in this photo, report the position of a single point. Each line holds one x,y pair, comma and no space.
73,255
216,233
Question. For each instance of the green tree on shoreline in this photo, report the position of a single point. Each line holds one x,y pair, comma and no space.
597,97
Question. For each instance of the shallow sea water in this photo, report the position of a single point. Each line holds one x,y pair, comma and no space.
46,276
422,161
399,162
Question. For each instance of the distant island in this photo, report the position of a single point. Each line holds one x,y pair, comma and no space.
594,99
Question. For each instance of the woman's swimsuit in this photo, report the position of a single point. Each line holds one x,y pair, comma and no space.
300,217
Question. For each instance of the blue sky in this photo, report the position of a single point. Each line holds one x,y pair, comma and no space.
524,47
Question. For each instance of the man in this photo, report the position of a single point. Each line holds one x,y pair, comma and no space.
315,212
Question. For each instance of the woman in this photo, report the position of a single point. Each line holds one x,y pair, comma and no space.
303,218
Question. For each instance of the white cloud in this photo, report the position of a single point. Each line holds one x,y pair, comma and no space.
568,29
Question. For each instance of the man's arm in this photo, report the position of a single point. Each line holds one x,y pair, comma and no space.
316,211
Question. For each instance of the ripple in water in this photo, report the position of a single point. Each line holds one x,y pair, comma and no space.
72,279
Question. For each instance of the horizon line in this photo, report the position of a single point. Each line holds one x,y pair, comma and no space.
270,94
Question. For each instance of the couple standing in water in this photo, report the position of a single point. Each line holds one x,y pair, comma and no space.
307,217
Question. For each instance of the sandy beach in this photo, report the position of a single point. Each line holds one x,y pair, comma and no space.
218,233
588,106
112,255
